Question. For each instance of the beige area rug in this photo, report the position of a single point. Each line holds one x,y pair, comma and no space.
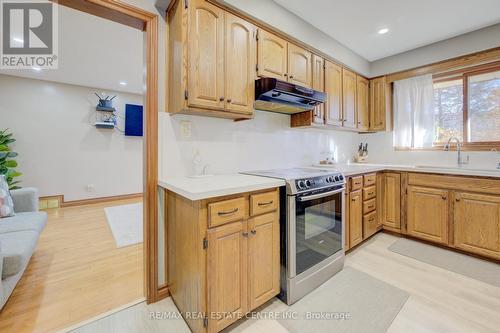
350,302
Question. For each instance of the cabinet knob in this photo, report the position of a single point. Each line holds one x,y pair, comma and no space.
285,75
245,234
457,199
253,231
229,100
443,197
221,99
291,76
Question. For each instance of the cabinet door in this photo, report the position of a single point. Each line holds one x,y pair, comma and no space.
333,89
477,223
227,274
390,193
355,218
428,214
240,64
263,259
379,103
318,83
299,66
362,90
206,56
271,56
350,118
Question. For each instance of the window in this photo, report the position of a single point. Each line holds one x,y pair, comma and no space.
467,106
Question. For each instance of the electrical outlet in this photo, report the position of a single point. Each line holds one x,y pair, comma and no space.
90,188
185,129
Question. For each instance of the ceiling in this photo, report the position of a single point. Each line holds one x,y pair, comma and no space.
411,24
94,52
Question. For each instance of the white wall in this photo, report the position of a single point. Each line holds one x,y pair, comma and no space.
471,42
265,142
273,14
60,152
381,151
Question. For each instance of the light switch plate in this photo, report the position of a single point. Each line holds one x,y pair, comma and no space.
185,129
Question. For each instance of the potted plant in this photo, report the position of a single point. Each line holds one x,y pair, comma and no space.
7,162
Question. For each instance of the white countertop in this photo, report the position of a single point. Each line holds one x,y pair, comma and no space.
358,168
214,186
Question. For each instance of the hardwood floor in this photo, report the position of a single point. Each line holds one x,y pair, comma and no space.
76,273
440,301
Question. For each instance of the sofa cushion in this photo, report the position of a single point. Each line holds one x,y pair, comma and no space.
17,248
6,203
24,221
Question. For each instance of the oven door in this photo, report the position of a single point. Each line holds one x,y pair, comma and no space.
317,233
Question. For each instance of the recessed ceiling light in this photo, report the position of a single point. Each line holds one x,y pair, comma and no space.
383,31
123,83
37,69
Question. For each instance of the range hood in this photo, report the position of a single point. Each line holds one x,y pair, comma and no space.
284,97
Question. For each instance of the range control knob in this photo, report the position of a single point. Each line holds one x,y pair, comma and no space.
337,178
341,177
301,184
308,183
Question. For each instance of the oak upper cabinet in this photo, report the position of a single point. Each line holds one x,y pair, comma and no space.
380,103
240,64
355,218
333,90
227,274
390,200
299,66
264,258
350,117
272,56
318,83
427,216
206,56
362,103
211,61
477,223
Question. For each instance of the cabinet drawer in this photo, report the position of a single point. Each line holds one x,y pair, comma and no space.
263,203
369,206
356,183
369,192
370,224
226,211
370,179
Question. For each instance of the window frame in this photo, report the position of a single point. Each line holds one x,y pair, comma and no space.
464,75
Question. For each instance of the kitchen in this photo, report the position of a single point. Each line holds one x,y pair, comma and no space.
271,200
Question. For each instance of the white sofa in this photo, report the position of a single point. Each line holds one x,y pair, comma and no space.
18,239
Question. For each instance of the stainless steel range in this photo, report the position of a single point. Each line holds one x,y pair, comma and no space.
311,228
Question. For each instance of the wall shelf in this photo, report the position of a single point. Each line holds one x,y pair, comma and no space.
104,124
104,109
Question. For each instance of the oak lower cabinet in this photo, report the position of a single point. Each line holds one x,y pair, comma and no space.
362,220
477,223
390,200
227,270
211,61
355,218
427,216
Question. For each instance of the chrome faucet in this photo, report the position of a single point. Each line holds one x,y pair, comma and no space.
460,161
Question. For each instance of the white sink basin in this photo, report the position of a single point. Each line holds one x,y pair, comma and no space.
455,168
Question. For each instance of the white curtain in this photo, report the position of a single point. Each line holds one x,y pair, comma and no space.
414,112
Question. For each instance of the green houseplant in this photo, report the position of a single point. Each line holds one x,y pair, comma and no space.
7,162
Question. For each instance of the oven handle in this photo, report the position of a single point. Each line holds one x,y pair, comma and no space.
319,195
